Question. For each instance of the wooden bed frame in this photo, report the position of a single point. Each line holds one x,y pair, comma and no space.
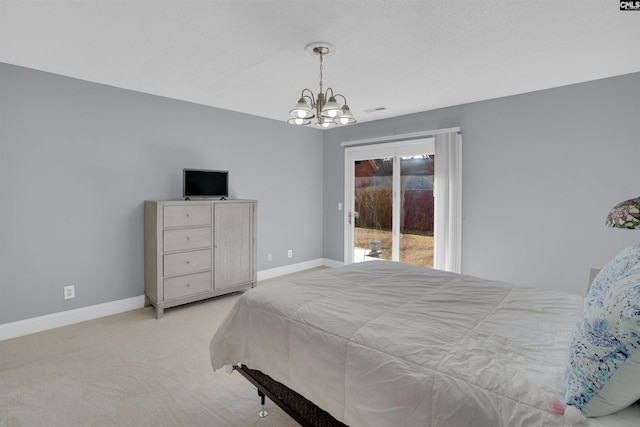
303,411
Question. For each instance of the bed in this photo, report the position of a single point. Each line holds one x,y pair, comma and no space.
384,343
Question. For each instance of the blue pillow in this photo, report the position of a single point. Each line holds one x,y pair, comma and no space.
603,364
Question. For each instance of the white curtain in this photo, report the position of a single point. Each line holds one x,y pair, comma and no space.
448,202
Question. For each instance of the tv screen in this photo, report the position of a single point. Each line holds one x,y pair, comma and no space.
201,183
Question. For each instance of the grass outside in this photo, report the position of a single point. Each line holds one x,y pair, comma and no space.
416,249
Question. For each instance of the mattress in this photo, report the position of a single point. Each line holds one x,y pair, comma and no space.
389,344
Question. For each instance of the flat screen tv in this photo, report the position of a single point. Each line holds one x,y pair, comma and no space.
205,184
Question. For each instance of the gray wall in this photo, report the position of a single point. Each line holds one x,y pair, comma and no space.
540,173
78,159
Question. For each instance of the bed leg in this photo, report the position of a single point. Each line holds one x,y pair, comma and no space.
262,413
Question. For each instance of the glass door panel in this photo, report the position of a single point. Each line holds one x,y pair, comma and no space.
416,209
373,209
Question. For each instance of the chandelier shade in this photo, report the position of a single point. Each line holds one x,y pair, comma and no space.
324,107
331,108
325,122
346,118
298,121
625,215
301,110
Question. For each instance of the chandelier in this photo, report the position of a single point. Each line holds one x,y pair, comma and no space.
325,107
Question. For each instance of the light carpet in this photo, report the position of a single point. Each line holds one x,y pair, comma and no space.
129,369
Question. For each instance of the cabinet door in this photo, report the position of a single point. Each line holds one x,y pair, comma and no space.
233,258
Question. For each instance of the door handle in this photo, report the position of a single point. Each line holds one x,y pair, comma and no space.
353,215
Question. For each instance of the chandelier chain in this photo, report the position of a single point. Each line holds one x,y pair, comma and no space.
320,72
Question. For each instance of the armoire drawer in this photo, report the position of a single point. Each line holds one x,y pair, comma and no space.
187,262
181,239
191,284
187,215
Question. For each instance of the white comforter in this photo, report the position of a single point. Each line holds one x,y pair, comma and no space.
388,344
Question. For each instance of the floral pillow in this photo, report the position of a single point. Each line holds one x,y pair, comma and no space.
603,363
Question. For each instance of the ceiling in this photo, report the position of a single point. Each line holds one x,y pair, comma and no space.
393,57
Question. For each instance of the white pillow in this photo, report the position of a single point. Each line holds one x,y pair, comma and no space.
603,364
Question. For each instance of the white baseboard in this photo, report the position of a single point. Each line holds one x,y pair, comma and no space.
331,263
64,318
294,268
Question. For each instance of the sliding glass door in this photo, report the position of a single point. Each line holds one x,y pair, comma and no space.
390,206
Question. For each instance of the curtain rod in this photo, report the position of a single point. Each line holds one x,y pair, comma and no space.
403,136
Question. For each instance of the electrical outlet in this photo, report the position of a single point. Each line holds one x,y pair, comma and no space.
290,253
69,292
269,257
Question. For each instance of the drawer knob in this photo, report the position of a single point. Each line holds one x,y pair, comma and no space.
188,262
188,238
188,284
